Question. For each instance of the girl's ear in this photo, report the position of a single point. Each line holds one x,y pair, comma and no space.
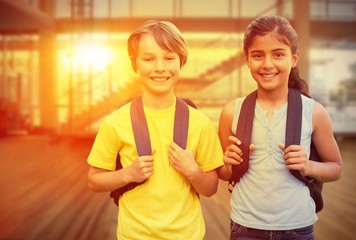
246,61
295,58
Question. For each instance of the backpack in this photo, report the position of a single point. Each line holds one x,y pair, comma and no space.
293,134
142,137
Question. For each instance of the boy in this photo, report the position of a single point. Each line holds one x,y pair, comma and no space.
166,205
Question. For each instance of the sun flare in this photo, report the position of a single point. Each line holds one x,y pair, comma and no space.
93,57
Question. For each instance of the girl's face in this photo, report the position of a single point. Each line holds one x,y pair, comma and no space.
158,68
270,62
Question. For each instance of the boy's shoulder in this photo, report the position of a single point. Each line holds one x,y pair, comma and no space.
120,113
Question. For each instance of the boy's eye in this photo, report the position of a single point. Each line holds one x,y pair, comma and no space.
170,58
147,59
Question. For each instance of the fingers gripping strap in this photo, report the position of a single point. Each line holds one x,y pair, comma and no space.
181,123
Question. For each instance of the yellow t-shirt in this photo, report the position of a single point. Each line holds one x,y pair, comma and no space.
165,206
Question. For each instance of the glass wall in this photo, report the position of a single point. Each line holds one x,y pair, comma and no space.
94,67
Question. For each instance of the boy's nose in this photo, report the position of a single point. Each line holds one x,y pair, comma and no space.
160,65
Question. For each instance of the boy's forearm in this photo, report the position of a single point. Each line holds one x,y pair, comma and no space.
224,173
205,183
105,181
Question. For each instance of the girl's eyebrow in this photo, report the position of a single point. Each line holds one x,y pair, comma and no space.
279,49
255,51
273,50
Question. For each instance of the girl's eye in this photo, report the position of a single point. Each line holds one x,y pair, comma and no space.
256,56
147,59
278,55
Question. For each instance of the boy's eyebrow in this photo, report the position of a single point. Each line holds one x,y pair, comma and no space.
152,53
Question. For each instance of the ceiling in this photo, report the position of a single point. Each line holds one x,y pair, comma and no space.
16,16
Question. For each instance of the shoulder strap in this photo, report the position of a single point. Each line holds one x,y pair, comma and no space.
294,129
181,123
294,123
244,130
142,137
140,128
293,134
243,133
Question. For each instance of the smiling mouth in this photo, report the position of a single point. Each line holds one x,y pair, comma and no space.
159,79
270,75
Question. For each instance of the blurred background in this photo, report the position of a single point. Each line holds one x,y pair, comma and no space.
64,67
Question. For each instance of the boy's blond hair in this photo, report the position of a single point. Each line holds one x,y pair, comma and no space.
167,36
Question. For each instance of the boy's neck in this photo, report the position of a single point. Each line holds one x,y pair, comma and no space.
158,101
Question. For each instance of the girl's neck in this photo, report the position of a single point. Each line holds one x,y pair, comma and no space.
157,101
272,100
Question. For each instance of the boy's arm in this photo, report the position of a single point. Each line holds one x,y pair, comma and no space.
102,180
205,183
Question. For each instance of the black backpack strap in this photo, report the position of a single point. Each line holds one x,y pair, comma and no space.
293,136
244,133
142,137
294,123
181,123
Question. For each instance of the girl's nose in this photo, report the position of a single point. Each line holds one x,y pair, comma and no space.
268,62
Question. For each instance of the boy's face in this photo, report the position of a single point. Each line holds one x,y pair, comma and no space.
158,68
270,61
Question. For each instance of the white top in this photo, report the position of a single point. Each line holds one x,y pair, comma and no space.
268,196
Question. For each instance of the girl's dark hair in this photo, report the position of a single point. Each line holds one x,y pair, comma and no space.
285,33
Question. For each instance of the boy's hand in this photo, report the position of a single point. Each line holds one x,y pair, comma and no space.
142,168
182,160
296,158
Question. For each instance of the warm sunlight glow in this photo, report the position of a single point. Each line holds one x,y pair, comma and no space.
87,57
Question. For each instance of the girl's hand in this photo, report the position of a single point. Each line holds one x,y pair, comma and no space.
233,152
183,160
296,158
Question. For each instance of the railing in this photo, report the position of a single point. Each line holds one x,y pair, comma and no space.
319,9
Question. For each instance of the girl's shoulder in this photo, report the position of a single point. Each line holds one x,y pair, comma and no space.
234,105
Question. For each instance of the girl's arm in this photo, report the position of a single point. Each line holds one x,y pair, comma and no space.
229,143
330,169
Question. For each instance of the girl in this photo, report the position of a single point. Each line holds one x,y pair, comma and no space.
269,202
166,205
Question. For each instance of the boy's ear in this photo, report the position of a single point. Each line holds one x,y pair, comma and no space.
133,64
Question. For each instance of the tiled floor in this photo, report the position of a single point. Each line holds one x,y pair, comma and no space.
44,195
